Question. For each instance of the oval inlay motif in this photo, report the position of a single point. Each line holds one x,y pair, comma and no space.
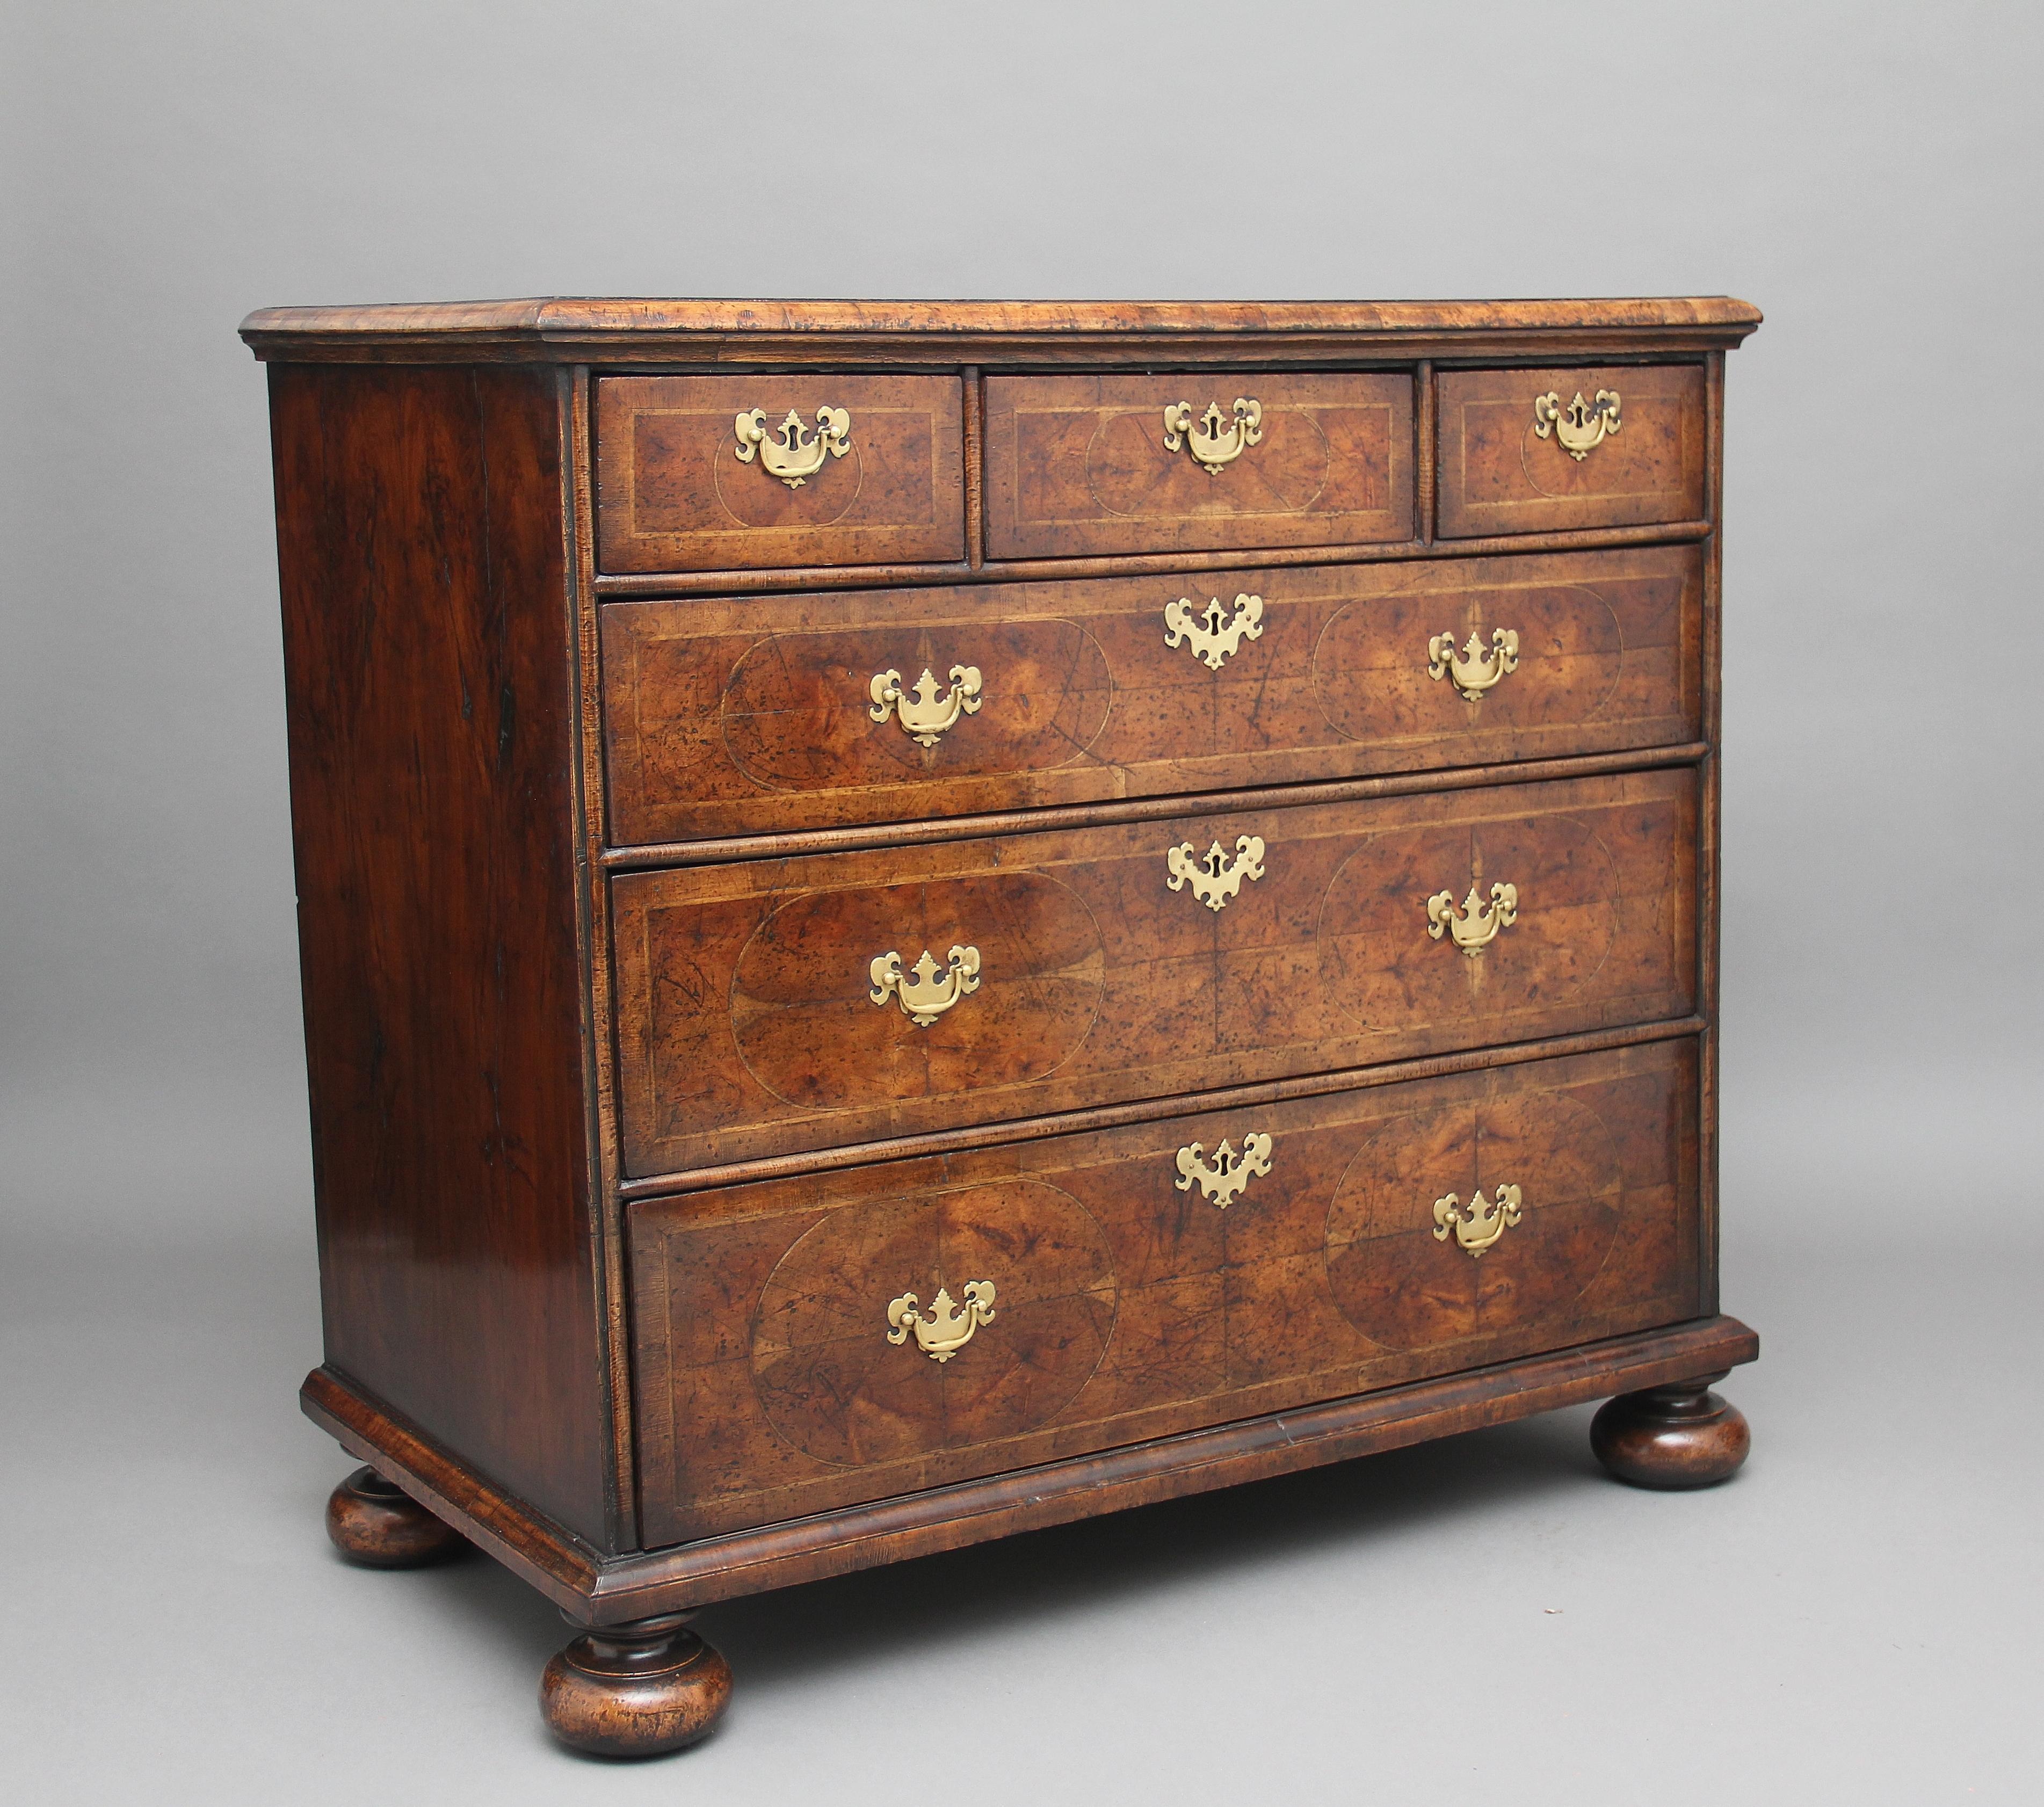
795,714
752,498
1644,455
809,1031
1370,667
1131,474
1402,1287
1379,964
831,1384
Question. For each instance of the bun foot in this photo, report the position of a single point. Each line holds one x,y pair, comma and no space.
1681,1435
376,1523
636,1690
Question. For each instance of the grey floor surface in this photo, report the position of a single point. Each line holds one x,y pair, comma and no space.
1853,1619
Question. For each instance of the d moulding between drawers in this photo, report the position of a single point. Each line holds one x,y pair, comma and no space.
620,584
656,854
1150,1110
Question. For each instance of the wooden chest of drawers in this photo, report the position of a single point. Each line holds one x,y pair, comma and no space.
920,920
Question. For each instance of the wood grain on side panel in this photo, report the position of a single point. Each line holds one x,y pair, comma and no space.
728,715
747,1028
1126,1309
420,546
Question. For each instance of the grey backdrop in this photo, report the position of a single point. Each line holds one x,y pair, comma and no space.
1851,1618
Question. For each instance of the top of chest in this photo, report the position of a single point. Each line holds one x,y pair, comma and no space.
899,334
777,435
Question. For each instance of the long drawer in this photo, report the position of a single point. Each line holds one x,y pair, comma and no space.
770,1007
724,717
805,1343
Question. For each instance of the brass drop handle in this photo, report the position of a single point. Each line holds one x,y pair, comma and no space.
948,1326
1216,875
1213,634
1215,439
929,990
784,453
1476,926
923,714
1476,668
1580,427
1481,1225
1223,1179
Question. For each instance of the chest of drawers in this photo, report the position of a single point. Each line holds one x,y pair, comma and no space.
920,920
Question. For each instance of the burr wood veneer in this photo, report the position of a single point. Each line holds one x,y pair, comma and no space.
923,919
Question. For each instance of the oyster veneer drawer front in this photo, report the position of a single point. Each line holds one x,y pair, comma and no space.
1537,451
806,1343
765,1008
696,474
724,718
1207,461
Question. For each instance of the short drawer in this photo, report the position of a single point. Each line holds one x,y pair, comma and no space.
1542,451
765,1008
1207,460
805,1343
729,717
699,474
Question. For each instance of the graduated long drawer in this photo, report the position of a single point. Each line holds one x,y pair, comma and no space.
770,1007
806,1343
728,716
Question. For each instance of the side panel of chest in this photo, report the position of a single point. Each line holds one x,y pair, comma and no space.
420,550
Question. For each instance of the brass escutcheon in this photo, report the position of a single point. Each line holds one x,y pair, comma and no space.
1581,426
1476,927
1485,1222
1214,875
1223,1179
923,714
933,990
784,453
1214,439
1476,667
949,1327
1212,634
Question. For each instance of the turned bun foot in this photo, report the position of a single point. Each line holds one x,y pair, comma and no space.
375,1523
1681,1435
637,1689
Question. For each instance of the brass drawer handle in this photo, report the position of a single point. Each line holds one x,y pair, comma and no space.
1477,668
1212,634
1215,440
1223,1179
932,990
1581,426
1485,1223
784,453
923,714
1476,927
949,1327
1214,875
